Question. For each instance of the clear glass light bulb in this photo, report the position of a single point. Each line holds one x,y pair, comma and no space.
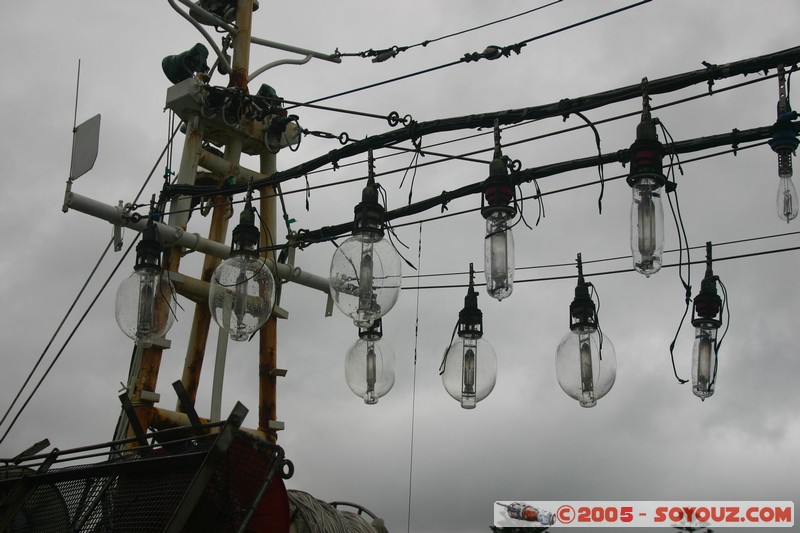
580,370
241,295
365,277
647,226
369,369
704,361
787,193
499,256
470,370
145,305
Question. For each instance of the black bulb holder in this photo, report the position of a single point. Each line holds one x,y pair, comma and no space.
784,136
707,303
498,190
582,310
369,212
646,153
148,251
245,234
470,318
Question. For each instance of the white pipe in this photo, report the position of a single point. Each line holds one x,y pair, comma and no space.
219,375
173,235
268,66
295,49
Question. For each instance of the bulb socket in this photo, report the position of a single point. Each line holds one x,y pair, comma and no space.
707,304
498,190
148,251
470,318
784,135
582,310
369,212
245,234
646,154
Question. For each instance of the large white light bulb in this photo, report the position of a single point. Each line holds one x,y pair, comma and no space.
365,277
242,288
499,255
145,303
241,295
470,371
647,226
704,360
787,193
585,372
369,367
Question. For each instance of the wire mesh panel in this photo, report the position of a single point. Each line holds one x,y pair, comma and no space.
143,493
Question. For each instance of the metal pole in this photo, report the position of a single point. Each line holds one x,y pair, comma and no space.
268,336
198,339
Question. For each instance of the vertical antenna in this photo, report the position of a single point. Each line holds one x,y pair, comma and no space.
75,122
77,91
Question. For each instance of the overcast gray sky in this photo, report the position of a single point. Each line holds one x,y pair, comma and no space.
648,439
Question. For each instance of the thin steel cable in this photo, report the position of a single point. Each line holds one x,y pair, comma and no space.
167,150
69,338
371,52
57,331
615,258
414,382
619,271
462,60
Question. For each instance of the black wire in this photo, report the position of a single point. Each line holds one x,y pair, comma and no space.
683,242
612,272
599,159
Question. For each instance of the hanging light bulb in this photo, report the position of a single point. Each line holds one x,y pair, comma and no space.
469,366
498,209
784,142
369,365
242,288
586,363
145,302
365,269
647,213
707,306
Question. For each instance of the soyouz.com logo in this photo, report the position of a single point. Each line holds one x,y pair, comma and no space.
644,514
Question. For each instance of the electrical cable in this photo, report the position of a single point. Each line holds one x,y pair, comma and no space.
526,175
564,106
464,156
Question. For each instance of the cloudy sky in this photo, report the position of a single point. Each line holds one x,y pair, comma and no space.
648,439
